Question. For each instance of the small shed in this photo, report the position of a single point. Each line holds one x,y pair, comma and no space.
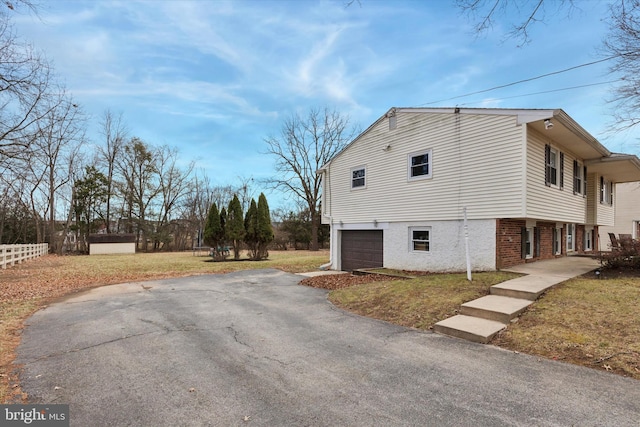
101,244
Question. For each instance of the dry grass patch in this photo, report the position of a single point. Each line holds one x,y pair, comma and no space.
419,302
595,323
27,287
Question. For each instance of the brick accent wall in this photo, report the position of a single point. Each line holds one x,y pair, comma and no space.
509,242
546,240
579,239
580,230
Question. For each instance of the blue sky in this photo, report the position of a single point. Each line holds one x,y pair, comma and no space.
214,78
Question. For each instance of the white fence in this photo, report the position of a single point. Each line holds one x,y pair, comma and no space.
15,254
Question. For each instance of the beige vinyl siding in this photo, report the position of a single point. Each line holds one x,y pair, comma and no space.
627,210
551,203
605,213
627,201
476,162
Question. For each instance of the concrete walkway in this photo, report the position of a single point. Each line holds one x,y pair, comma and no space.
481,319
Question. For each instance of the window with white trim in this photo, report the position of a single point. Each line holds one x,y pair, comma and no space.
420,239
358,177
557,241
579,178
552,165
528,243
588,240
571,233
606,191
420,164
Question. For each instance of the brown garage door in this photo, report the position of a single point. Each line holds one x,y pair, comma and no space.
361,249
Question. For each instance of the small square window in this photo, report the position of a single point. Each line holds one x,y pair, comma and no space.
420,239
420,165
358,177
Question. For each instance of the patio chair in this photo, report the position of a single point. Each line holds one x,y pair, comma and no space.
615,245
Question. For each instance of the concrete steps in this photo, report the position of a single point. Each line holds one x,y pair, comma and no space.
469,328
526,287
494,307
481,319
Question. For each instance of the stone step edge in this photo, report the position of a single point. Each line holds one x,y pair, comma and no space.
515,293
492,307
470,328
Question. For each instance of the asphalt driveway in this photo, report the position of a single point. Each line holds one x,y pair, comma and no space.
254,348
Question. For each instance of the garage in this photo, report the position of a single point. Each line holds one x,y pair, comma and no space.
361,249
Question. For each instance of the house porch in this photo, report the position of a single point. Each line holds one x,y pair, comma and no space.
520,241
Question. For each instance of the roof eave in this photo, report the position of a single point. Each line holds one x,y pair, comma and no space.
578,130
618,168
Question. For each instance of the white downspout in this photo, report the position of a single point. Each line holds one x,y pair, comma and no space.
466,244
328,265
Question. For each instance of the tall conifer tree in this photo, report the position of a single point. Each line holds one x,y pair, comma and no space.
235,226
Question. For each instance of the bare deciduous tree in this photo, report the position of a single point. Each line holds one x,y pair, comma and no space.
114,131
623,43
55,147
303,146
25,86
524,14
174,184
16,221
138,167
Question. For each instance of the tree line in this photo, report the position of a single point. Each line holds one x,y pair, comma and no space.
56,192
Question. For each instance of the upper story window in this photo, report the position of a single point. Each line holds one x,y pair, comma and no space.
358,177
554,167
420,165
606,192
579,178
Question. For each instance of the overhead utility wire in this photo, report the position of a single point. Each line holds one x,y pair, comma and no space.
549,91
525,80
